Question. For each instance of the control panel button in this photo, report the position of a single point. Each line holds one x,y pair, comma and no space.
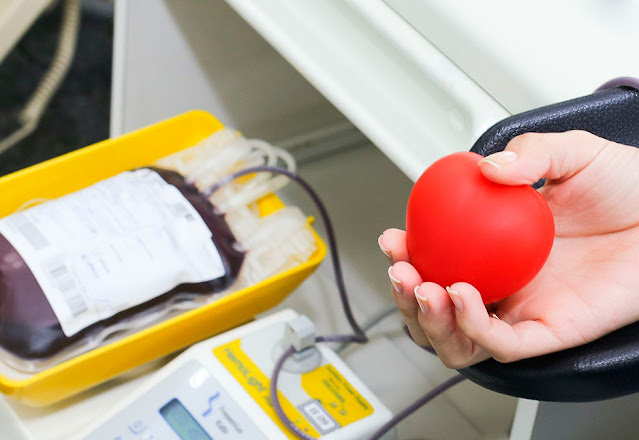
137,427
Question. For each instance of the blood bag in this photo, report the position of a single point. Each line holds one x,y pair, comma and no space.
36,280
141,247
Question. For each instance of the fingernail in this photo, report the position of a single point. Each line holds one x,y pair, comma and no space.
397,285
384,250
454,296
501,159
422,301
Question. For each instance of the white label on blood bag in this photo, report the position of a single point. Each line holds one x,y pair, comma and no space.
112,246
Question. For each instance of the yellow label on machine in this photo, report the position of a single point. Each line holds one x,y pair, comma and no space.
332,401
255,382
336,394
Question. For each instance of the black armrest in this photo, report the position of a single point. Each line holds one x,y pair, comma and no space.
612,114
609,366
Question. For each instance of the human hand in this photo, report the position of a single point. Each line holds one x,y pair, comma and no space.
589,285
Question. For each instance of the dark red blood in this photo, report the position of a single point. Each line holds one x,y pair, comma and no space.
30,329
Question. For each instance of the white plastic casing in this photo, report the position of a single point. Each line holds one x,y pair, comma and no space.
272,327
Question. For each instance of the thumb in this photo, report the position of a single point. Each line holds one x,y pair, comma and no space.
532,156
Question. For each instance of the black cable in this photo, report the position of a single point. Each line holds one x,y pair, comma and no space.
372,322
275,377
416,405
359,335
396,419
337,267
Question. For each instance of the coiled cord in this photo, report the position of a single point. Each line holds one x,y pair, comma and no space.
34,108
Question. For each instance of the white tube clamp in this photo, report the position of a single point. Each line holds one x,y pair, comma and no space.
300,332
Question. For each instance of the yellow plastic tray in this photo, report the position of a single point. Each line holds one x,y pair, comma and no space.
84,167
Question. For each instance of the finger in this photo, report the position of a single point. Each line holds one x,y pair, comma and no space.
393,243
437,318
532,156
404,278
501,340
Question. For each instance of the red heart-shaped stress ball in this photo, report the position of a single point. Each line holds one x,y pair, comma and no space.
460,226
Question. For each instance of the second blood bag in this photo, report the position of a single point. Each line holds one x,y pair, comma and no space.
74,266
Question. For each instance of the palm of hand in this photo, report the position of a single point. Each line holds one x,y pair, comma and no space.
584,291
587,286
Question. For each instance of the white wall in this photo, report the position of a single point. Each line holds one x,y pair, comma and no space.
173,55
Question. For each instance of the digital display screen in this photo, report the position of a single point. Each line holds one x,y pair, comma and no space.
182,422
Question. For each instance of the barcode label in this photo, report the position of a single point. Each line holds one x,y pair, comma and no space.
182,211
30,232
319,417
70,290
